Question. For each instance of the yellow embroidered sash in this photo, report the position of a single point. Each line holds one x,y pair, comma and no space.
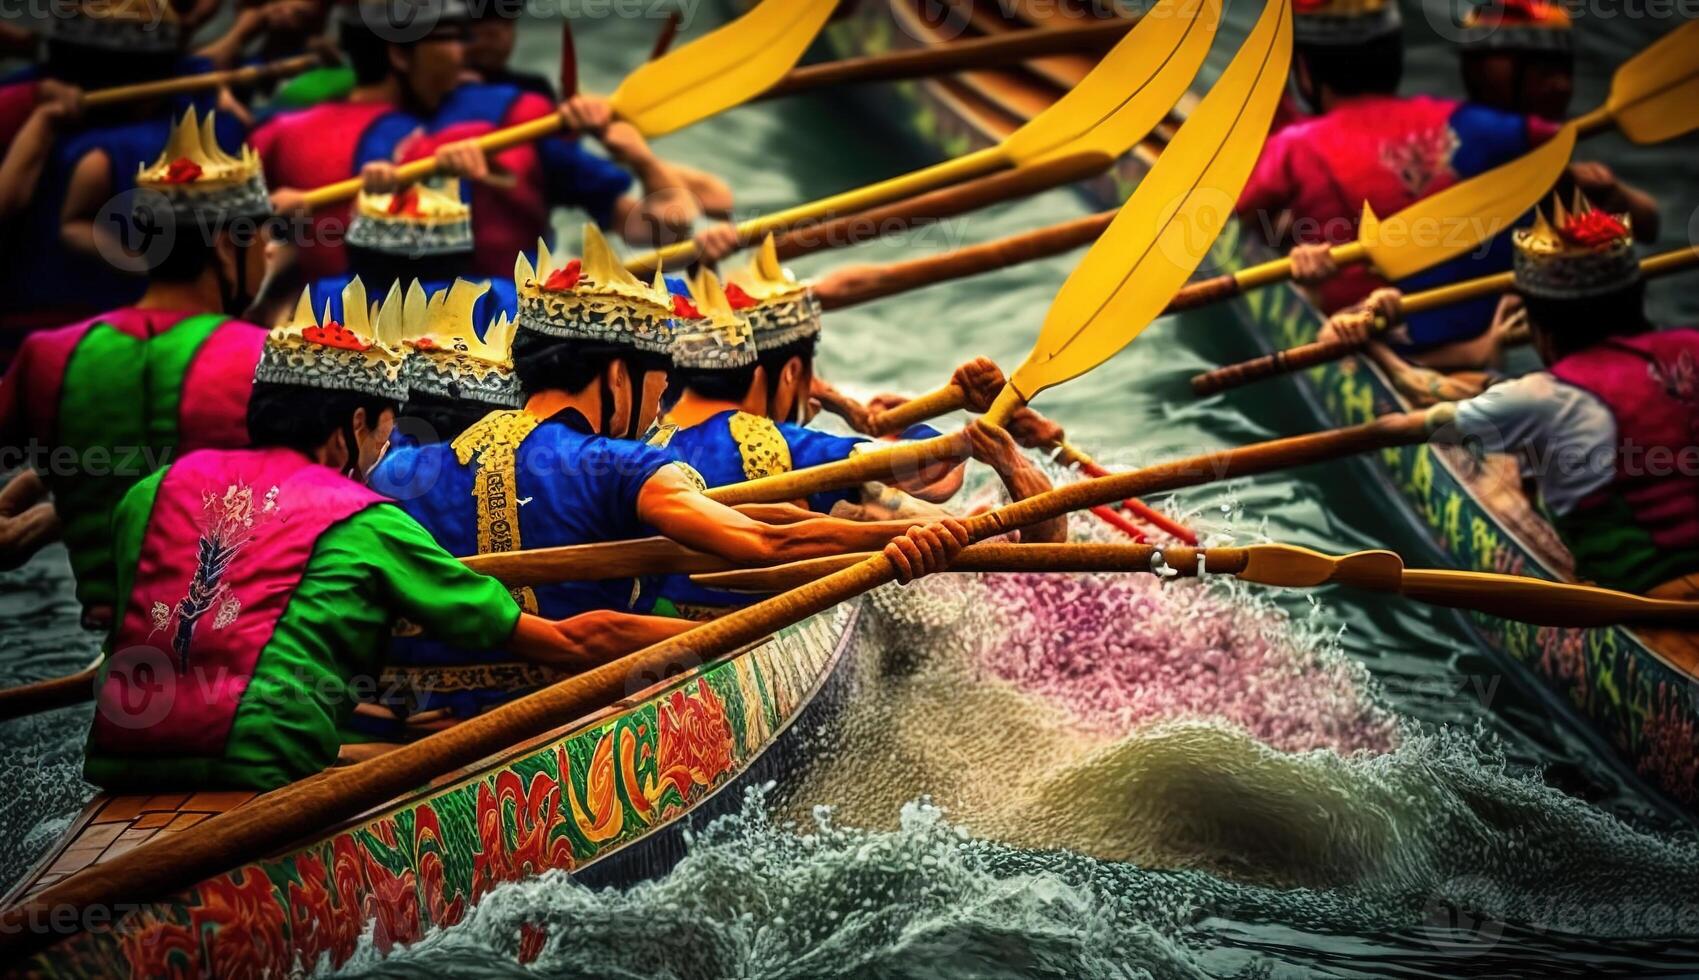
761,445
494,442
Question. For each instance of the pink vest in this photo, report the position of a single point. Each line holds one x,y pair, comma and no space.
227,542
1650,383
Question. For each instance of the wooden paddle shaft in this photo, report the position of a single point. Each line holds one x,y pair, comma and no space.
417,170
1325,352
201,82
856,227
27,699
1535,601
979,52
295,812
866,283
1224,287
1003,557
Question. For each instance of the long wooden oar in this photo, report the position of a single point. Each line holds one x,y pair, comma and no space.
204,81
1654,97
27,699
1322,352
1112,108
1150,249
967,55
293,813
724,68
1520,597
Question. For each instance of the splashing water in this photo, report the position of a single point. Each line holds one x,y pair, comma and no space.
925,898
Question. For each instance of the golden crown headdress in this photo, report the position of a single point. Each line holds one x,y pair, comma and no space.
713,336
1342,23
129,26
1517,25
363,352
199,180
783,309
1580,251
594,299
417,220
447,358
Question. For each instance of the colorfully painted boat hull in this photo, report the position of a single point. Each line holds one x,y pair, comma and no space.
605,799
1635,694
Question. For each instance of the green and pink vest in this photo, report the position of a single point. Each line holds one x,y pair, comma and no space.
98,405
1642,529
192,684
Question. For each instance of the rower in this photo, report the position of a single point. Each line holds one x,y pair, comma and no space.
592,353
422,231
259,584
56,269
398,83
98,405
719,427
1606,432
1370,145
457,373
1518,56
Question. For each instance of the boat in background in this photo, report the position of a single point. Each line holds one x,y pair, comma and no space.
604,798
1632,694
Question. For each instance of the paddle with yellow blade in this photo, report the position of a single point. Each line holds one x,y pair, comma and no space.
1112,108
1519,597
274,820
1323,352
1654,97
722,69
1153,245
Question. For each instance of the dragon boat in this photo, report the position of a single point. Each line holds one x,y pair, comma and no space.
605,798
1634,694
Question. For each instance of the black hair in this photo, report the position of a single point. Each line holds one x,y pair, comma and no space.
774,359
367,54
1572,325
377,268
1374,67
432,418
720,384
303,418
545,363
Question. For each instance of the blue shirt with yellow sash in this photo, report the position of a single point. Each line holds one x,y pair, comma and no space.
513,481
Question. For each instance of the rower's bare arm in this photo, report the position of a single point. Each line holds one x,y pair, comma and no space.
589,639
996,448
26,159
671,503
90,189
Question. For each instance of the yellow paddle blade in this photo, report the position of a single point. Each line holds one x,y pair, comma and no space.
1168,225
1464,215
1129,91
1655,94
724,68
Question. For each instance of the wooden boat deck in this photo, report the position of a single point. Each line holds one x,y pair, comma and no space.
114,825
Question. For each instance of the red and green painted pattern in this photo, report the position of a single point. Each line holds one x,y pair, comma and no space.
1637,702
110,400
562,802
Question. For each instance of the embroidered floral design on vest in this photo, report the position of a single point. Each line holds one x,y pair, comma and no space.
227,524
494,442
763,448
1421,158
1680,380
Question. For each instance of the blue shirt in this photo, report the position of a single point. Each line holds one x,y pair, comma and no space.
733,447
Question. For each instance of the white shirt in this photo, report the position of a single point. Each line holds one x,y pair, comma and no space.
1564,436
